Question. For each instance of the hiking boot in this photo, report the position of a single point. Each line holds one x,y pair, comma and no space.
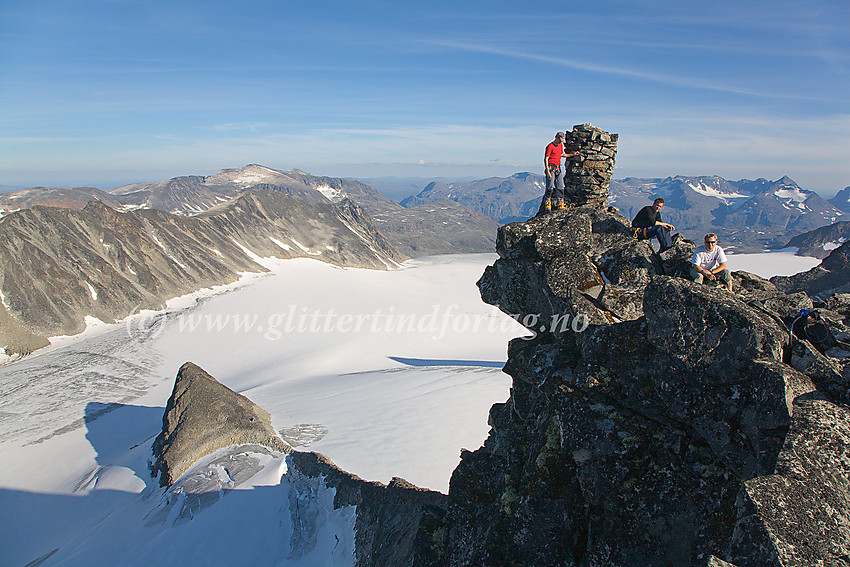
547,206
560,206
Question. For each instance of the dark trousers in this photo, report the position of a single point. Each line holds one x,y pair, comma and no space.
665,240
554,186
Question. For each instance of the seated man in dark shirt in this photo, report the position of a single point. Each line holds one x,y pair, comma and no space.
649,224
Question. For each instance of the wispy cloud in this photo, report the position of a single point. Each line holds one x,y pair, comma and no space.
622,71
241,126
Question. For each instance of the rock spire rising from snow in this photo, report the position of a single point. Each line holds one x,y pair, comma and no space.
203,416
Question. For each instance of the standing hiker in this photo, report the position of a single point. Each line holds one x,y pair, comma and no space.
554,194
647,224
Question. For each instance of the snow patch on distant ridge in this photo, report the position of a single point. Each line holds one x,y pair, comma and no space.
304,248
833,245
709,191
286,247
329,192
796,195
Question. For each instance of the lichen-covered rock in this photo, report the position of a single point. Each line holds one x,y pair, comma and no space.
671,430
800,515
581,262
840,303
708,326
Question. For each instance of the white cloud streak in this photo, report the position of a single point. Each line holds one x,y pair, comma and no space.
623,72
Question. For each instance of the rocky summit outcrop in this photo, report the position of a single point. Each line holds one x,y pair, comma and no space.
203,416
674,425
58,266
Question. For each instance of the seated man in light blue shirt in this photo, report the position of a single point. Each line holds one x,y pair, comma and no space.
709,262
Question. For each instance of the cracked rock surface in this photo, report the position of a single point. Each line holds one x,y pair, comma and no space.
680,427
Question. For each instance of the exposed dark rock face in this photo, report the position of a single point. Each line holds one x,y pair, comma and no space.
821,241
673,433
203,416
394,524
827,278
59,265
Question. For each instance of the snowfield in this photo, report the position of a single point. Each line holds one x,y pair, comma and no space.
775,263
387,373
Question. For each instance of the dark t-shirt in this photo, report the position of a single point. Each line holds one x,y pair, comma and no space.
646,217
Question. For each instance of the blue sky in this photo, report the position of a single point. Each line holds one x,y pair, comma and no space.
108,92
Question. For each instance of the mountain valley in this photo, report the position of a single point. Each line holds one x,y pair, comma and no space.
58,266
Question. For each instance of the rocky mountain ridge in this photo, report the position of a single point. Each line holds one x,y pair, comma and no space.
830,277
58,266
820,242
674,429
842,200
416,231
203,416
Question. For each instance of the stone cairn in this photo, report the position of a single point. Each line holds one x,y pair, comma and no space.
588,175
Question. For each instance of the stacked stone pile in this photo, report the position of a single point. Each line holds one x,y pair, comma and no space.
588,176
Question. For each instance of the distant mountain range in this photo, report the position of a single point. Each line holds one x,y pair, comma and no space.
504,199
446,227
462,216
747,215
59,265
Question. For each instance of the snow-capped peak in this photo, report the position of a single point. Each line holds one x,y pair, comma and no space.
245,176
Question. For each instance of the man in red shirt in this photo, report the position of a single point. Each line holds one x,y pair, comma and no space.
554,194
